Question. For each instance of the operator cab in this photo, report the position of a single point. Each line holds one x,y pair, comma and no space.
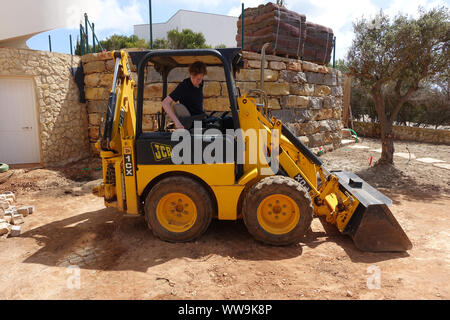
157,65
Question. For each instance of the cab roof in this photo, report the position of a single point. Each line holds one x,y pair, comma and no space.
170,59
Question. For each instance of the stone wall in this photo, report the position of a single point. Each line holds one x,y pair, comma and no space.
62,118
368,129
305,96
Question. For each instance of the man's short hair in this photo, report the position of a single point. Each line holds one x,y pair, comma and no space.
197,67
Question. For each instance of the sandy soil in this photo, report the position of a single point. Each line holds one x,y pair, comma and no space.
118,257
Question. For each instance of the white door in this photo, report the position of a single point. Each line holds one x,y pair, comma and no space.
19,141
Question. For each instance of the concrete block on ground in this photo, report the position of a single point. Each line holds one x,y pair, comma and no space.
4,205
23,211
15,231
10,211
4,228
7,219
9,194
17,219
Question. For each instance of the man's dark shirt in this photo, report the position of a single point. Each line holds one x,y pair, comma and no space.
189,96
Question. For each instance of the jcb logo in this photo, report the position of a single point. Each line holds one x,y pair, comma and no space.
161,151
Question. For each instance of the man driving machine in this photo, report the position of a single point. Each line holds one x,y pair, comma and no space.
189,93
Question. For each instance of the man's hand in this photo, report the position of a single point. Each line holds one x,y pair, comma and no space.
179,125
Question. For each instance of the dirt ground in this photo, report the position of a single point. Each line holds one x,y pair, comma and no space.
119,258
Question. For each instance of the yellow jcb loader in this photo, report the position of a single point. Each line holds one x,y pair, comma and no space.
142,173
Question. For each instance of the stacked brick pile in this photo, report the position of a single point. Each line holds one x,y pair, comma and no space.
12,217
305,96
287,32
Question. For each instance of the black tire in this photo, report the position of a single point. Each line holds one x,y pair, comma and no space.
4,167
189,188
275,186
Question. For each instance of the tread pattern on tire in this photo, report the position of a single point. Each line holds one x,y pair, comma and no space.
169,185
305,206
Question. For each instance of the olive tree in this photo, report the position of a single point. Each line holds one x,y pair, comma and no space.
394,56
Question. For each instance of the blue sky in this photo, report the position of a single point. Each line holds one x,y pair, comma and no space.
119,16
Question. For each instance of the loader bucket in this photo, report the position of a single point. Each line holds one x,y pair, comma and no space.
372,226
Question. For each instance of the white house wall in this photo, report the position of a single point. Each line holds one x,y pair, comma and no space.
217,29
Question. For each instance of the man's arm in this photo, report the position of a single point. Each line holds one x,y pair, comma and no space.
166,105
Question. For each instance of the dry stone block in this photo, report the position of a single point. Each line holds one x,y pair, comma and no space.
23,211
4,205
295,101
309,66
274,104
213,74
304,140
256,64
319,78
321,90
17,219
96,93
152,107
93,134
216,104
315,103
212,89
276,89
322,69
179,74
4,228
292,76
324,114
15,231
245,87
94,67
8,195
92,80
94,119
302,89
317,139
255,75
97,106
106,80
294,66
337,91
277,65
96,57
109,65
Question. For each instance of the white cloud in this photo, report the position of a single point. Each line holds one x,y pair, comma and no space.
106,14
410,7
236,11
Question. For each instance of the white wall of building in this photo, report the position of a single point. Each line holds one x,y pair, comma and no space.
217,29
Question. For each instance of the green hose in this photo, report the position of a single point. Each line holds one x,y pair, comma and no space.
4,167
356,135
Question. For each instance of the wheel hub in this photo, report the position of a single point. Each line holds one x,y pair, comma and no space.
176,212
278,214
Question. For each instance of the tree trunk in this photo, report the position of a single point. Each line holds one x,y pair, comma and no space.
386,132
387,142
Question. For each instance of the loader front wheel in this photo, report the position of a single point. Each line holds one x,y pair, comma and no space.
278,211
178,209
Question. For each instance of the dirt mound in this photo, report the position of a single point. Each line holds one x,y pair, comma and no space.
21,181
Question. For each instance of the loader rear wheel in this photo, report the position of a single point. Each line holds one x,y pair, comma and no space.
278,211
178,209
